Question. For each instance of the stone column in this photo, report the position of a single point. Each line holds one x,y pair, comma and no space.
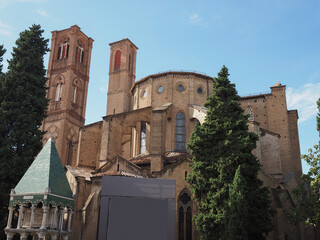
23,236
61,219
44,217
65,211
9,235
54,236
41,235
10,217
55,218
66,237
32,216
50,224
20,216
69,220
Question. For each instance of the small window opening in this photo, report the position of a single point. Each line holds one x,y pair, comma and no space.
143,138
117,60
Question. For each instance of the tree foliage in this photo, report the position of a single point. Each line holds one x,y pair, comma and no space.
2,52
306,194
219,146
22,109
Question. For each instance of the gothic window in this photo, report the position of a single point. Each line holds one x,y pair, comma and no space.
75,91
181,224
129,62
250,112
63,51
189,224
74,94
79,53
180,132
117,60
58,92
185,215
143,137
70,149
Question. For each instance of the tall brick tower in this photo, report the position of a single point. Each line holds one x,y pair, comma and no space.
68,78
122,72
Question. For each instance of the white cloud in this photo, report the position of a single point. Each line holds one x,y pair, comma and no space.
5,29
42,12
304,99
196,20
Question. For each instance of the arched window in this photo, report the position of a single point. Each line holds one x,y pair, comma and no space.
63,51
129,62
250,112
181,224
79,53
185,215
117,60
70,150
180,132
74,94
58,92
143,137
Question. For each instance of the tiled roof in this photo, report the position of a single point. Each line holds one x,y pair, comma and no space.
81,171
46,172
141,159
172,157
115,173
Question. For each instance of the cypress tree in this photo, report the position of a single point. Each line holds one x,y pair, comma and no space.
238,208
219,146
2,52
22,109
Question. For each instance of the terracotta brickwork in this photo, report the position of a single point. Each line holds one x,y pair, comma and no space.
68,79
146,129
121,76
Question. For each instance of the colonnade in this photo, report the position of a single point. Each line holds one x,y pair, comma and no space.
55,221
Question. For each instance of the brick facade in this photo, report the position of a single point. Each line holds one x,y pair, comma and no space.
118,145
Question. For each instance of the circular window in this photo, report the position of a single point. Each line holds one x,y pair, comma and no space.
200,90
180,87
144,94
160,89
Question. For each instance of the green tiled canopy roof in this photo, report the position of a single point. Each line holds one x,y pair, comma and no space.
45,175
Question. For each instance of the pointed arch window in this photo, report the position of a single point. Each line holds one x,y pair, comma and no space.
117,60
185,215
58,92
74,94
250,112
79,53
143,136
180,132
70,150
63,51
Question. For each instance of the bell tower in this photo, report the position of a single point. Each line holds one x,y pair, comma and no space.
68,79
122,74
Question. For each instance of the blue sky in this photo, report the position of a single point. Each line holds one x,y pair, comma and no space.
261,42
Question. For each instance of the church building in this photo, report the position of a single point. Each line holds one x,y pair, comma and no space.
146,129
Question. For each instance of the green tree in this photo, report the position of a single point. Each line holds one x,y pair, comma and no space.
237,213
2,52
219,146
22,108
306,194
